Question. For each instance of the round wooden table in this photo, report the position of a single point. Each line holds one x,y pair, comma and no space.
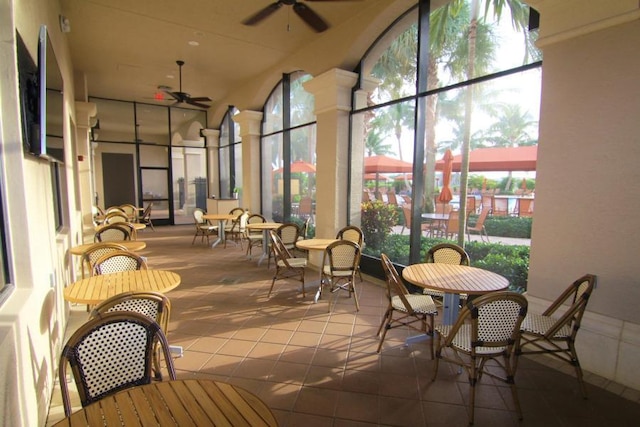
316,248
96,289
176,403
131,245
453,280
137,225
265,227
221,218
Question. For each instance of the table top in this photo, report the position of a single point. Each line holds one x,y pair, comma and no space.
435,216
454,278
314,244
131,245
136,225
95,289
514,196
219,217
264,225
176,403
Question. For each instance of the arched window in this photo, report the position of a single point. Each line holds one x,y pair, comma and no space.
477,85
230,155
289,151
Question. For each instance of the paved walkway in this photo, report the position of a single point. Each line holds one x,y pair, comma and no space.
476,238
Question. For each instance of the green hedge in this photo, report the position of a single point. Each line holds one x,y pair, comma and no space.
510,261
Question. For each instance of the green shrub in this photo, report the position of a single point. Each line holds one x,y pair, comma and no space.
377,218
505,226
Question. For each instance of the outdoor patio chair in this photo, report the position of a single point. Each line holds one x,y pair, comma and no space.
254,237
483,341
237,228
203,227
287,266
117,261
109,353
500,206
97,251
289,234
354,234
446,253
478,227
525,207
145,218
339,266
116,232
131,211
428,228
554,331
451,227
154,305
412,308
115,216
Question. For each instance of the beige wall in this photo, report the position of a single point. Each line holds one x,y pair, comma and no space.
588,180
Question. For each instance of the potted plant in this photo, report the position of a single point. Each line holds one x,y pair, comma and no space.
236,192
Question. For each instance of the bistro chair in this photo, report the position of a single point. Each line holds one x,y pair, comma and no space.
154,305
116,232
289,234
109,353
116,216
412,308
117,261
554,331
97,251
203,227
237,228
131,211
483,341
446,253
450,230
339,266
254,237
478,227
287,266
355,235
430,228
145,218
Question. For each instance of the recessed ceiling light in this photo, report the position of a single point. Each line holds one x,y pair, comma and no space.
193,43
170,76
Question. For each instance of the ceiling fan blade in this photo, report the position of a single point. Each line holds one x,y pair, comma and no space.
190,101
175,95
200,98
262,14
310,17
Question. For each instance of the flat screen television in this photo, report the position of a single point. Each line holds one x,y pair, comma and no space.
41,99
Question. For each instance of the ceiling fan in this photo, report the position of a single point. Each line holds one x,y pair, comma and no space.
310,17
183,97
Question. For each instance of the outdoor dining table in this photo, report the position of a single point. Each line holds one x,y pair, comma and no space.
316,248
192,402
437,220
136,225
222,219
265,227
95,289
453,280
131,245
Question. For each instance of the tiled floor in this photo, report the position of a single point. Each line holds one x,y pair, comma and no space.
314,368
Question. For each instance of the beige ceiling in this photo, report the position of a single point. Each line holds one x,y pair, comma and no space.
126,49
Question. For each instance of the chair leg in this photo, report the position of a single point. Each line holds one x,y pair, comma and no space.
576,364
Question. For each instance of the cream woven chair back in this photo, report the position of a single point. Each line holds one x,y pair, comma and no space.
289,234
94,253
113,233
447,253
351,233
119,261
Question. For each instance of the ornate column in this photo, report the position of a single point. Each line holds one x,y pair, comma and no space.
250,122
84,112
332,91
212,143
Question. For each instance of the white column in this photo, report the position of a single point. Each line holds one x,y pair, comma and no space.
84,112
250,122
332,91
213,143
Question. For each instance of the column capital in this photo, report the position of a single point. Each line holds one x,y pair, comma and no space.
249,121
332,90
84,112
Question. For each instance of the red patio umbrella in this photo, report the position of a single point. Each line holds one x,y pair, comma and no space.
524,184
299,166
385,164
445,194
497,159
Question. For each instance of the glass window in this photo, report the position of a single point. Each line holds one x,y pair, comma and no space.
230,155
479,88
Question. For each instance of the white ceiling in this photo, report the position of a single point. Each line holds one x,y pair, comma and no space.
126,49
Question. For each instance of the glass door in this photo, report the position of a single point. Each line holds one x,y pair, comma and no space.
154,183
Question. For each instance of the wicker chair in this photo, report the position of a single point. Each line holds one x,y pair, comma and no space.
483,341
116,216
355,235
203,227
114,262
236,230
145,218
339,266
554,331
413,308
154,305
254,238
116,232
109,353
289,234
287,266
446,253
97,251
